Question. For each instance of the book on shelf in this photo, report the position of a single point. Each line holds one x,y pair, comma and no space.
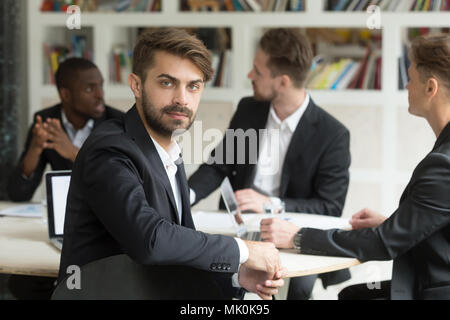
54,54
121,64
102,5
242,5
222,65
347,73
389,5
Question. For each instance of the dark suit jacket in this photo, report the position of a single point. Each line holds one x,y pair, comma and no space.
120,201
315,172
416,236
21,189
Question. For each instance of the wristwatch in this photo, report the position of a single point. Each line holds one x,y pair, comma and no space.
298,240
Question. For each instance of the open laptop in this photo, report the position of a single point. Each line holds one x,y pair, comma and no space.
57,186
235,214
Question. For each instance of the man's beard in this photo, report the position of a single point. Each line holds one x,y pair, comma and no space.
259,97
154,117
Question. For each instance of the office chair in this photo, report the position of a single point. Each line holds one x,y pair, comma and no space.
120,278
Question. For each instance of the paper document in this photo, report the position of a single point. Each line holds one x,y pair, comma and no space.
26,210
214,220
317,222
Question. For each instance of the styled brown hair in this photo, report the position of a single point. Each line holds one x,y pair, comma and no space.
431,54
289,52
174,41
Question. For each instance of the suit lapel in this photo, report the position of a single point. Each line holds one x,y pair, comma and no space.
139,134
185,196
259,123
302,136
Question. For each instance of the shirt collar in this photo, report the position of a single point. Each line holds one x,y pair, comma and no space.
293,120
66,123
168,158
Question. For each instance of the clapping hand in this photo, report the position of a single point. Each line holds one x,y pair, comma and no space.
58,140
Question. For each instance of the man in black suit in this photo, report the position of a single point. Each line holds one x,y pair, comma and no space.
129,193
306,166
55,138
416,235
58,132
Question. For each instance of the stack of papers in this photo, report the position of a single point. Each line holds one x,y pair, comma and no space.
27,210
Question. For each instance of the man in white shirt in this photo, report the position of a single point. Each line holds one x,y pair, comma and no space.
129,194
303,163
58,132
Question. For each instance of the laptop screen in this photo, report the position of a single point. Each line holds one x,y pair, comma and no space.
232,206
57,183
228,196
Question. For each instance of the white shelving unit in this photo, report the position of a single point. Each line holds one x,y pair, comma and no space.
246,28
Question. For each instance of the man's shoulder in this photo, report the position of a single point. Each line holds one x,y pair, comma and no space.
110,132
49,112
249,107
113,113
248,103
327,121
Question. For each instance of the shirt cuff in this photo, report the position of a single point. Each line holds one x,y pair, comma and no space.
243,251
235,280
192,195
24,177
275,201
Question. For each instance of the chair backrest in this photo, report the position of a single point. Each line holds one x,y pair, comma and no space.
120,278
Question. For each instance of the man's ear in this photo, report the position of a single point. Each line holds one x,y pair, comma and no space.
135,84
432,88
285,81
65,95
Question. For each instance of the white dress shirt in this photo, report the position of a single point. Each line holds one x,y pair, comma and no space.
78,137
274,146
168,159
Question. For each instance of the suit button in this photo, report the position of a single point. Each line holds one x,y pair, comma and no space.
228,268
213,266
219,267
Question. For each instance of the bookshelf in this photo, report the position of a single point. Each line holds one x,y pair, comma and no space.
376,118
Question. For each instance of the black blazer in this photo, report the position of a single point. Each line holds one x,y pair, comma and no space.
21,189
120,201
416,236
315,172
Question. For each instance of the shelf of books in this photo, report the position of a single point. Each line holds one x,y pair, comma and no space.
102,6
236,6
358,74
388,5
217,40
345,59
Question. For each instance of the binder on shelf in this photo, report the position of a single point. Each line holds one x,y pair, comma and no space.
56,53
242,5
389,5
121,64
102,5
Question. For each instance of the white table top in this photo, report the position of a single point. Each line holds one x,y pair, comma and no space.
25,247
